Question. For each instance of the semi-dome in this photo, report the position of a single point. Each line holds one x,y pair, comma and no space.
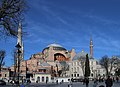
80,55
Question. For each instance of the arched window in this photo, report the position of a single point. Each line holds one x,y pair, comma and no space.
77,75
42,79
47,79
38,79
92,74
74,75
5,75
59,57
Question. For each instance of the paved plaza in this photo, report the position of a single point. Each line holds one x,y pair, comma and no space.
75,84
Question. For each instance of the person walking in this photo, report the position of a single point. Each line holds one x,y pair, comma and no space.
70,84
117,79
95,83
109,82
87,81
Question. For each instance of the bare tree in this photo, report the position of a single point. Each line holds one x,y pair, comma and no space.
2,56
11,13
82,60
112,63
65,67
117,65
107,63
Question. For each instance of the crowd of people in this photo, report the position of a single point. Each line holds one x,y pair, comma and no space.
108,81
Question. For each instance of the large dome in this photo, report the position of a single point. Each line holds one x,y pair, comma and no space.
55,47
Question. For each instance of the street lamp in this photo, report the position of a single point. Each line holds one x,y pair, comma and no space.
18,62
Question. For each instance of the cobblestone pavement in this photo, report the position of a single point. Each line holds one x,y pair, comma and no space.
75,84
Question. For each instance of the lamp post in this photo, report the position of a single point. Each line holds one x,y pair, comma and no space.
15,65
18,60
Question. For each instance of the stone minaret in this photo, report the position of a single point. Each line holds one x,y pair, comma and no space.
91,47
20,41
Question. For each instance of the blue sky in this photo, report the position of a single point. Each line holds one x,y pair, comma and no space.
69,23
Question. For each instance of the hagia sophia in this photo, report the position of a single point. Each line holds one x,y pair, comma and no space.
55,61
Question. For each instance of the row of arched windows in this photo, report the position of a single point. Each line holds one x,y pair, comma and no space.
75,69
42,79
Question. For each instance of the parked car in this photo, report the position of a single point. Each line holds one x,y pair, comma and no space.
2,82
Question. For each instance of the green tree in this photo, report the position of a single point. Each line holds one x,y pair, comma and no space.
87,67
11,13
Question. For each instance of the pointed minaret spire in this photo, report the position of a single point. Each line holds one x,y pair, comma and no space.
20,40
19,34
91,47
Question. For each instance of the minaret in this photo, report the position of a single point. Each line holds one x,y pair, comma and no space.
91,47
20,41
